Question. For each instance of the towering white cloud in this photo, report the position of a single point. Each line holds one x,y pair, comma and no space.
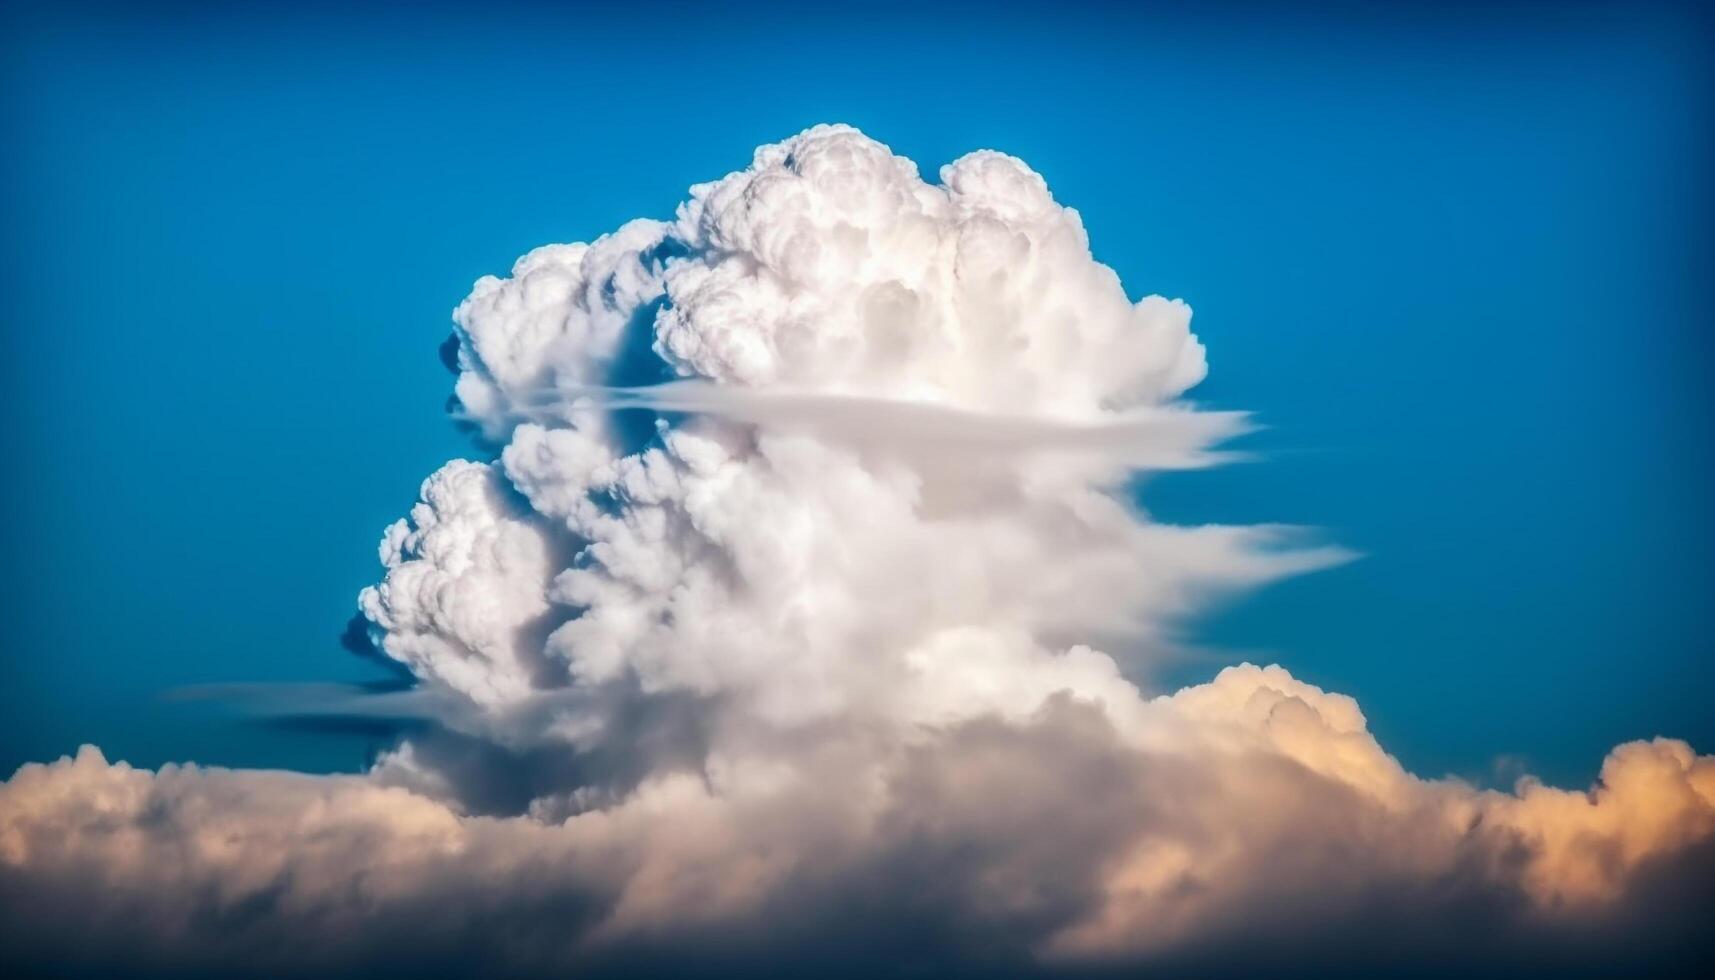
770,623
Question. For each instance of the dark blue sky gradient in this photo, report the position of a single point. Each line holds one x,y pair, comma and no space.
1457,259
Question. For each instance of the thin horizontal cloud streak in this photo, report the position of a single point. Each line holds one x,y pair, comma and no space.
1150,438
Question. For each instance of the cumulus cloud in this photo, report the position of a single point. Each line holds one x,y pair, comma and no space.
770,628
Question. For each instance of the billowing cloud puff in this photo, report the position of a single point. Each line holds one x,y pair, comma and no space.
770,628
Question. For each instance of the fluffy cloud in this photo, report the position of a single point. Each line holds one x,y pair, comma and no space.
768,629
1263,812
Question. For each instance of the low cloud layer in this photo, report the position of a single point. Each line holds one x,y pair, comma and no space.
767,638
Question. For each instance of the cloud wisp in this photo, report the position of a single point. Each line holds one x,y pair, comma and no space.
763,640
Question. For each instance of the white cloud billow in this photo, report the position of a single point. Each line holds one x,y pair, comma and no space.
822,632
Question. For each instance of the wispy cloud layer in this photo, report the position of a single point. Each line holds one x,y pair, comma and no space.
764,631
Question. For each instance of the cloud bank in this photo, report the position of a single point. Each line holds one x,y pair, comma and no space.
766,639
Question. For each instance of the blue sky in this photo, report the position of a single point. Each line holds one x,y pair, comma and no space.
1456,260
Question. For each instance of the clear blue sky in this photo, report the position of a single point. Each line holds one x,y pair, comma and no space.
1457,259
